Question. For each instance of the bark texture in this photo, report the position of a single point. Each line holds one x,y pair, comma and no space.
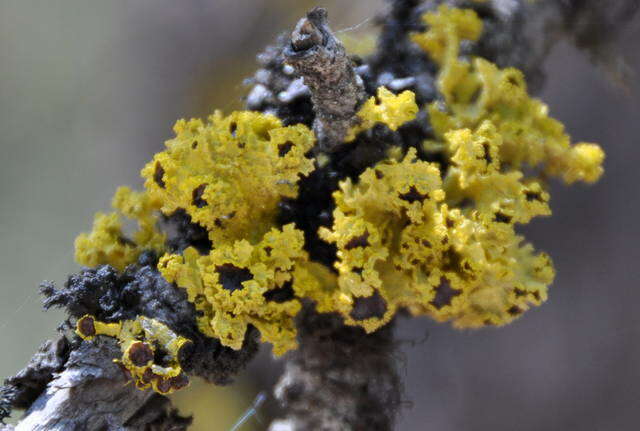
336,91
87,391
339,379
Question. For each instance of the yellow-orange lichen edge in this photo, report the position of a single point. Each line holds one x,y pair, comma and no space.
477,91
142,341
108,243
385,108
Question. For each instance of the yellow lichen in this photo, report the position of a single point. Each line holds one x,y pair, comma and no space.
229,176
142,341
243,284
444,243
446,28
230,173
478,91
109,244
385,108
399,240
435,238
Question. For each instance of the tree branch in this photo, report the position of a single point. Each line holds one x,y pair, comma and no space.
87,391
340,378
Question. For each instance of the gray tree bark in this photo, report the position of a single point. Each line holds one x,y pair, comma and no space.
88,391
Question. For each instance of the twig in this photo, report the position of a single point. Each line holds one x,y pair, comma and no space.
336,91
340,378
90,392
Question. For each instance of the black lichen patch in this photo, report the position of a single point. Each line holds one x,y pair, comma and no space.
283,149
487,153
197,199
358,241
158,175
502,218
280,294
231,277
369,307
397,56
413,195
452,261
160,355
182,233
444,295
532,196
272,80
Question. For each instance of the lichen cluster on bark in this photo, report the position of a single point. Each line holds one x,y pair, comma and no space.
340,377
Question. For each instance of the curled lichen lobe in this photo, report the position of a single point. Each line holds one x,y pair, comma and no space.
150,351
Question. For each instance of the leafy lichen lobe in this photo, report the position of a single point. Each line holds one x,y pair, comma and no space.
427,225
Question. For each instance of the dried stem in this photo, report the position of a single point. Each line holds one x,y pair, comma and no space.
336,91
87,391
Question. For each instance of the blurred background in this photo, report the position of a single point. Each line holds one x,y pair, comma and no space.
89,90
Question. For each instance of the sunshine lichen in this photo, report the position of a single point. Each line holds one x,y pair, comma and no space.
478,91
430,228
442,242
241,284
230,174
385,108
109,244
150,351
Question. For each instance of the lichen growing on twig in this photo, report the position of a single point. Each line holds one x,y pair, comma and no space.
428,227
353,189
